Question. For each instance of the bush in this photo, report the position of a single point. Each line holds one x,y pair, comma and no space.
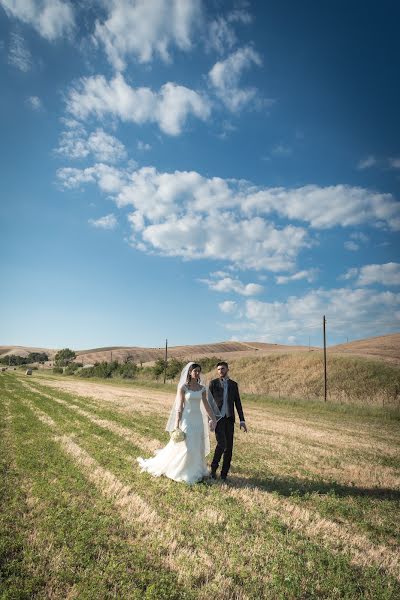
58,370
72,368
127,370
103,369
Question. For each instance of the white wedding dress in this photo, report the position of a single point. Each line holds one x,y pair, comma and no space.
184,461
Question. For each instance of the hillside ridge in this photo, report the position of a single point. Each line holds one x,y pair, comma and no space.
384,347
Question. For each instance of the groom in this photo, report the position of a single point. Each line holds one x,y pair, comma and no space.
226,395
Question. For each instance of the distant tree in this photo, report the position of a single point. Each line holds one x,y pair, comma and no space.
159,367
64,357
174,367
39,357
14,359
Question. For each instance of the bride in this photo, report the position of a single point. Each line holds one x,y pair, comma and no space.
193,413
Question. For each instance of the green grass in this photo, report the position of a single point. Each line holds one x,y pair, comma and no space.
64,534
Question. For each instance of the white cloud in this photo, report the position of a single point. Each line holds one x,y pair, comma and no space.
144,28
143,146
50,18
221,35
75,142
169,108
179,214
187,215
394,163
229,306
385,274
281,150
227,284
106,222
367,163
325,207
359,236
350,312
225,76
109,179
19,55
262,246
34,102
356,239
308,274
352,246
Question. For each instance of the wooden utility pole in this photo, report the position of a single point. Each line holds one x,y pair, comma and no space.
165,361
325,377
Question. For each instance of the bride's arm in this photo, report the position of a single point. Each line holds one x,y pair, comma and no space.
208,409
179,409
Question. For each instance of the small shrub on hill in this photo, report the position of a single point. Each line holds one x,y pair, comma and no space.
72,368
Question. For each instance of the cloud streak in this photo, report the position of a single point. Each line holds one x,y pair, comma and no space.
185,214
386,274
227,284
225,77
348,312
169,108
51,18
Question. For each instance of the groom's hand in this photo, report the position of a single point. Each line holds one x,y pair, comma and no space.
243,426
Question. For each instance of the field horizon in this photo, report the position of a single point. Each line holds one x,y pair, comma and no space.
382,347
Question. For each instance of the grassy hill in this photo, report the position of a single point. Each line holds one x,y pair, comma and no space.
383,347
351,379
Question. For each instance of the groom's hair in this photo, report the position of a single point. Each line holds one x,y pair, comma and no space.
222,364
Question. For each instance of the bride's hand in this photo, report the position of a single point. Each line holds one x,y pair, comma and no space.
212,425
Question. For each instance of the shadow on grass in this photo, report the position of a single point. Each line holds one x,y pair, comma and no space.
292,486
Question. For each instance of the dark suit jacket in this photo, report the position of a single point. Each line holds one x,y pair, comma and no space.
217,391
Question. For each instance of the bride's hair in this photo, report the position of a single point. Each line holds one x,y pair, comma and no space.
189,375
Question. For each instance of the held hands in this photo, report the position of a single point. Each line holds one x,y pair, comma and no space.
212,425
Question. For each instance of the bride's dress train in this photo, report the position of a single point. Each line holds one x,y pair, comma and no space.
184,461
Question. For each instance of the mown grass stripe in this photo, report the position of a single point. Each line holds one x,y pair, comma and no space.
131,436
72,543
104,411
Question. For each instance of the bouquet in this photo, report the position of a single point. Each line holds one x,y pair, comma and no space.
177,435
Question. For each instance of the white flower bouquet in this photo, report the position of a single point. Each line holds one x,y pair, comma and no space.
177,435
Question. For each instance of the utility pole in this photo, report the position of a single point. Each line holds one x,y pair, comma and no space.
309,343
165,361
111,355
325,377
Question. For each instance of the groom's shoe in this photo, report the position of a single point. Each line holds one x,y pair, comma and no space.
213,474
224,477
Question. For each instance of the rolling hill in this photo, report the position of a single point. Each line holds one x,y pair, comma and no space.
386,348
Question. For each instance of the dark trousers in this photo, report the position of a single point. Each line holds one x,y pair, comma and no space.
224,434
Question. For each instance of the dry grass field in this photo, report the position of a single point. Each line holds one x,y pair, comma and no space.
310,511
384,347
300,375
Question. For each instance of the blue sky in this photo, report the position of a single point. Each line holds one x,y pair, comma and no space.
198,171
